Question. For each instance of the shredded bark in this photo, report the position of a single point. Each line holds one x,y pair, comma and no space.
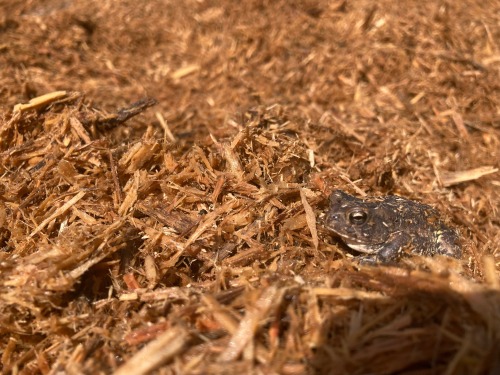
165,170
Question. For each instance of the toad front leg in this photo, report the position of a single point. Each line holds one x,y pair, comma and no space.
389,252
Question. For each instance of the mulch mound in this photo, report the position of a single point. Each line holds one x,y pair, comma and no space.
165,171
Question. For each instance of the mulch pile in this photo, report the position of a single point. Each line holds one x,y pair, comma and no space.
165,170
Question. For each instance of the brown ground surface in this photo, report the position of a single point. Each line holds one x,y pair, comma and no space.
188,239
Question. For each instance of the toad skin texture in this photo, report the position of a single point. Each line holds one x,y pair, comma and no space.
385,228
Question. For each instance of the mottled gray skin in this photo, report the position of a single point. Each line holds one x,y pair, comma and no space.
387,227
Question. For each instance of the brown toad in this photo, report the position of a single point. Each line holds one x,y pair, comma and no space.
387,227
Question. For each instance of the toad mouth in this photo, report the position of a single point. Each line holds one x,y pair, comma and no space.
363,248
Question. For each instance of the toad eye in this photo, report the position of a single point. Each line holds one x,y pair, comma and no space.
357,217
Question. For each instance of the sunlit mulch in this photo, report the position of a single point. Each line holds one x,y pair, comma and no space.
170,219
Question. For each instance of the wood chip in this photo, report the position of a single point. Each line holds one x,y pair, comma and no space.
249,324
60,211
163,349
185,71
454,178
310,218
40,101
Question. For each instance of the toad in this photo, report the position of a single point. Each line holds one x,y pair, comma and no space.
385,228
